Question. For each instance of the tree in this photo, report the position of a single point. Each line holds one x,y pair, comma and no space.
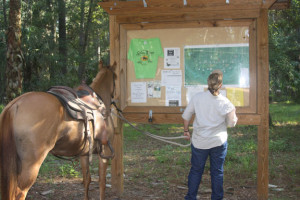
63,52
15,58
51,35
83,37
284,48
3,28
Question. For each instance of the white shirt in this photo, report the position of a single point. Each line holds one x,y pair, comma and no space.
212,116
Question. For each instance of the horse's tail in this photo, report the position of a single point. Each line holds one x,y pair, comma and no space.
8,156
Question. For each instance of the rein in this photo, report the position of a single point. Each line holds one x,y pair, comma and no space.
160,138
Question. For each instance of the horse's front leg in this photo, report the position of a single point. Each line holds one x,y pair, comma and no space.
84,161
102,176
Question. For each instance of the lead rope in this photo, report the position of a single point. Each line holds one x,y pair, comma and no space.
160,138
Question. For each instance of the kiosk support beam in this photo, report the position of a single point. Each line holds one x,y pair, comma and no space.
117,169
263,105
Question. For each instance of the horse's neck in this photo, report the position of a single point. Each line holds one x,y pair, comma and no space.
104,93
107,101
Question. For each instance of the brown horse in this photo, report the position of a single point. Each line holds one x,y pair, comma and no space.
36,123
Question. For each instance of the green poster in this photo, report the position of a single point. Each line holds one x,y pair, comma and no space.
144,54
201,60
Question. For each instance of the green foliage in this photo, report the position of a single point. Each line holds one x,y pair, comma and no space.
53,166
40,45
284,49
1,107
67,171
47,168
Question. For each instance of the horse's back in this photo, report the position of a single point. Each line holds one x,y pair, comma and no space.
35,109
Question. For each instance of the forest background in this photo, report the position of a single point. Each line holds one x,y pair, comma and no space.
60,43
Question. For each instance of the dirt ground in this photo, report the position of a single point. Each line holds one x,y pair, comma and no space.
137,188
72,189
151,186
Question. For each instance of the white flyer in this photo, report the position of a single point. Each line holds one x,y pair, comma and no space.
172,58
138,92
154,89
171,77
173,96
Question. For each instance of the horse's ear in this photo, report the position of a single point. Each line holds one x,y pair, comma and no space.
100,65
114,66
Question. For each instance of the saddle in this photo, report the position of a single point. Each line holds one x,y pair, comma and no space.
80,105
77,102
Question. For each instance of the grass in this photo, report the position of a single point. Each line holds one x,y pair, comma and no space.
53,167
286,113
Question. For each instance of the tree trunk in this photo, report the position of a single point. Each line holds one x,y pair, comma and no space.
84,34
62,36
15,58
3,65
51,28
4,14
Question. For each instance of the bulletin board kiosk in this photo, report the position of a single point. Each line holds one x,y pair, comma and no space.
165,51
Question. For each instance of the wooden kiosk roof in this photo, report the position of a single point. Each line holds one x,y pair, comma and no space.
174,14
204,9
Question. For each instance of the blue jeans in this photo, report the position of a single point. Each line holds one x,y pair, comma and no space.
199,156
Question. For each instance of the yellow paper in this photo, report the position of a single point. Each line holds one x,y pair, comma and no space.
236,96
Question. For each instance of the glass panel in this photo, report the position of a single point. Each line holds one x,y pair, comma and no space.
166,67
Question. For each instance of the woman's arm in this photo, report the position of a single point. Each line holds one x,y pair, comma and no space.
231,119
186,129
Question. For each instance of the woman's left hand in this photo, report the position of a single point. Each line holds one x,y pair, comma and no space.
188,135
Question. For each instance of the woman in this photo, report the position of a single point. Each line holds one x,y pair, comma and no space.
213,114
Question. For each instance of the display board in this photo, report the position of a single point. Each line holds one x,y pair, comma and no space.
166,67
231,59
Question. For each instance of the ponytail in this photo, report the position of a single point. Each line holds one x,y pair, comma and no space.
214,82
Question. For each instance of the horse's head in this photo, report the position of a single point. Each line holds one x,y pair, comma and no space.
110,75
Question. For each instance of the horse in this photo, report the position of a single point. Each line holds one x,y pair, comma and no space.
36,124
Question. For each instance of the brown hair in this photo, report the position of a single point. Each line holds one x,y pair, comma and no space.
214,82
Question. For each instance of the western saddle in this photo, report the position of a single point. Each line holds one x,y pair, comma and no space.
80,104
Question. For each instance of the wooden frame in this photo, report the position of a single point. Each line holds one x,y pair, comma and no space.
172,115
196,13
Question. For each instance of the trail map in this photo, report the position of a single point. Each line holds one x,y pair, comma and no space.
201,60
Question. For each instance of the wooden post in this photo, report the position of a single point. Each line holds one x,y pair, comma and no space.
117,168
263,105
